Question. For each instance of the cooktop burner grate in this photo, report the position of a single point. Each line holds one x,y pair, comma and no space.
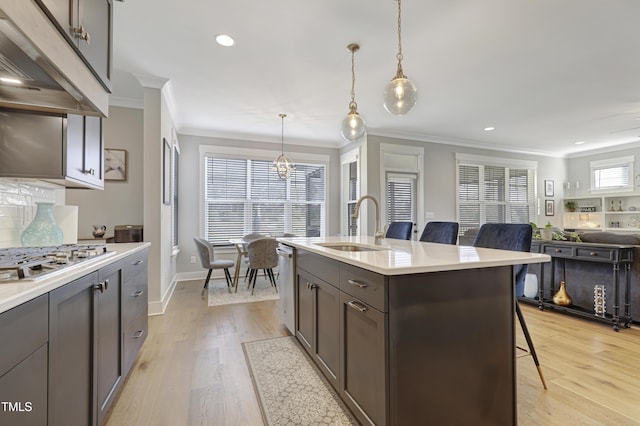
27,262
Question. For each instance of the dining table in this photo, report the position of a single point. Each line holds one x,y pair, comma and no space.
241,248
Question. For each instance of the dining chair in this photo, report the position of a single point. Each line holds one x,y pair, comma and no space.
399,230
440,232
514,237
262,255
208,261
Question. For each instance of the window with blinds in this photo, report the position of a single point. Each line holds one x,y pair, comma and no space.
245,196
494,194
350,189
612,175
400,194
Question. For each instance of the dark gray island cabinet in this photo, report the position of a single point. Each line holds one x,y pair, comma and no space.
82,346
416,348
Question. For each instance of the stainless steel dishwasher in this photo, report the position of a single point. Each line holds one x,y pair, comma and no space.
287,272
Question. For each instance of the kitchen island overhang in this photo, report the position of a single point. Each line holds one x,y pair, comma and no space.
438,322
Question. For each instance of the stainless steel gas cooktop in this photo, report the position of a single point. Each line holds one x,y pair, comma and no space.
32,263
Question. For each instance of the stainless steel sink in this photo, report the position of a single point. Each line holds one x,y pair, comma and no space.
350,247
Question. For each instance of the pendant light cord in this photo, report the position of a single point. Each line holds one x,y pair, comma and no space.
399,56
353,106
282,116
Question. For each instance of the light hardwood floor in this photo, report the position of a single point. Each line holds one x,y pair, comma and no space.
192,371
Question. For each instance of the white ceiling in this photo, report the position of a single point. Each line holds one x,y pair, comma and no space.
545,73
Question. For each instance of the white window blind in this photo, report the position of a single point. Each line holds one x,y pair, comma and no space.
489,193
401,197
244,196
615,174
350,191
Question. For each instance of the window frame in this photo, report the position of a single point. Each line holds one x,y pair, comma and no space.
508,164
611,163
403,159
229,152
346,160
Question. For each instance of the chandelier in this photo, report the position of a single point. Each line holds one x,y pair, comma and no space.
282,165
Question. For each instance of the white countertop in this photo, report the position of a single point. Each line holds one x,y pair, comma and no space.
15,293
399,257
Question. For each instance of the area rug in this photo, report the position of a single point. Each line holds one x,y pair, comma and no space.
219,294
290,389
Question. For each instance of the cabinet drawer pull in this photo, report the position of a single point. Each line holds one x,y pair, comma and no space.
355,305
593,253
139,262
357,283
312,286
138,334
558,250
137,293
102,286
91,172
82,34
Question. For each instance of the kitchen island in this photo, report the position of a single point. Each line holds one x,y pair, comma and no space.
410,332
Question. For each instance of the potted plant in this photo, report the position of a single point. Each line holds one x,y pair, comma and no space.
546,233
570,206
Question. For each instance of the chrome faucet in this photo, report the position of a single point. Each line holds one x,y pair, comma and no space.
356,212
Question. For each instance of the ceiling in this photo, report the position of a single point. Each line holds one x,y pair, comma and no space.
545,73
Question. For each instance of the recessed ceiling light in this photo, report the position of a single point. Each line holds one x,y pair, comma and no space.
225,40
579,142
10,80
488,129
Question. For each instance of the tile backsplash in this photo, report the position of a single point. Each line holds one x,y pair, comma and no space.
17,207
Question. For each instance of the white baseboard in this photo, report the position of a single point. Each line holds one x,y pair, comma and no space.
158,308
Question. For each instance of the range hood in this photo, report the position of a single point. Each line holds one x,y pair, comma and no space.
39,70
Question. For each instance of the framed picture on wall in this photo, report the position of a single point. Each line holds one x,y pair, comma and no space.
115,164
166,172
548,188
548,208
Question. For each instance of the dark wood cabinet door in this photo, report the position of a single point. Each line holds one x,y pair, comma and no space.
326,348
23,391
94,150
95,16
304,303
64,14
108,337
71,357
84,150
363,383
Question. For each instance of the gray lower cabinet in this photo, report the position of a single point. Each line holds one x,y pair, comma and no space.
23,364
71,357
318,325
134,306
85,351
363,366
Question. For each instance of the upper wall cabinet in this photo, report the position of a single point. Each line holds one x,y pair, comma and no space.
66,150
87,24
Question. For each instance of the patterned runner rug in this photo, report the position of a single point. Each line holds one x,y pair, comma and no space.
290,389
219,294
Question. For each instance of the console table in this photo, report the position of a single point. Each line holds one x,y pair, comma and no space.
614,254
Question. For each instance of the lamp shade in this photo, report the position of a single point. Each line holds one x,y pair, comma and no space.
400,96
353,127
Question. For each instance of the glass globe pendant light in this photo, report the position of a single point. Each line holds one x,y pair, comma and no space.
353,126
400,95
282,165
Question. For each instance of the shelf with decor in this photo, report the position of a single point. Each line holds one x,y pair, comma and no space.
615,213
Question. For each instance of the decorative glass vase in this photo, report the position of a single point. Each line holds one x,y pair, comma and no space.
562,298
43,231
